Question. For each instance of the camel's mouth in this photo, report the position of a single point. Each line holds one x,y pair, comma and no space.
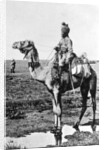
15,44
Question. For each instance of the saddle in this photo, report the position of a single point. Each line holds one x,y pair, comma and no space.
80,66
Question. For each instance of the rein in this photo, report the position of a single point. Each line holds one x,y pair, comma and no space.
48,57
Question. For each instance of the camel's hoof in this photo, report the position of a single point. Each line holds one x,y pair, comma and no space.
53,130
76,127
93,128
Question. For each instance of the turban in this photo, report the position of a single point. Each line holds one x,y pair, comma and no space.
65,28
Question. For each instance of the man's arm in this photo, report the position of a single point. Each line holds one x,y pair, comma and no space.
57,48
70,46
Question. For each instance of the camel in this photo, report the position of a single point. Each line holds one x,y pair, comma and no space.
57,84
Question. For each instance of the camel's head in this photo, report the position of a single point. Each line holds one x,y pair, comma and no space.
23,45
28,49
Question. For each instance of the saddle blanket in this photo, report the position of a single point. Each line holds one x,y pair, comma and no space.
80,69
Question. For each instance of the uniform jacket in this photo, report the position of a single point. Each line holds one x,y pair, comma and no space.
65,45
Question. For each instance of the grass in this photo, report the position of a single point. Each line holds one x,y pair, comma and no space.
28,106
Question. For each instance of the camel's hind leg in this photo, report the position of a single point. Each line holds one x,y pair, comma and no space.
94,113
93,83
84,92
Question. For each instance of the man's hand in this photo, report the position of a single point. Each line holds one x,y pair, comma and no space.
56,48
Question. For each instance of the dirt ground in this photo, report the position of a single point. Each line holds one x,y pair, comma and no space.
28,108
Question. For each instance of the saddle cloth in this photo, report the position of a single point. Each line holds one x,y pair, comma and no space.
81,69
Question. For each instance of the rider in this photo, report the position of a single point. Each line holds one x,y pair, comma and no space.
65,45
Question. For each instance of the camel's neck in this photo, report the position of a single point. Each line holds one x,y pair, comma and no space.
37,73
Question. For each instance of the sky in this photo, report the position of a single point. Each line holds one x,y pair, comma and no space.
41,23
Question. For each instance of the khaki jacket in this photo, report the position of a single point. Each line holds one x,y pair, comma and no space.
65,45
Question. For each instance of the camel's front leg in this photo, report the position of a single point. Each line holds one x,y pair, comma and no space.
57,109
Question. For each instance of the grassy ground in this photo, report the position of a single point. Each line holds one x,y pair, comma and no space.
28,107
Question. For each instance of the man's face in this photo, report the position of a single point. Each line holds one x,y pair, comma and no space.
64,34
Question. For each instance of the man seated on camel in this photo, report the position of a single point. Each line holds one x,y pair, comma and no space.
64,53
65,45
64,48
